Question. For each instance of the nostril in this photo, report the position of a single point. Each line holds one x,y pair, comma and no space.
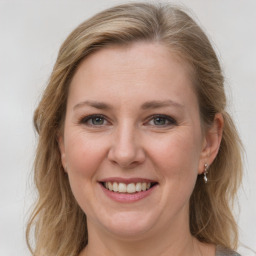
126,157
129,165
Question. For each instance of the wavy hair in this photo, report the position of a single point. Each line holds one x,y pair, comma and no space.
57,223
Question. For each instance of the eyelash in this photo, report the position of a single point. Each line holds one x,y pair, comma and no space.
85,120
170,121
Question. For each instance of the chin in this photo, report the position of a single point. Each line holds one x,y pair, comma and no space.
128,225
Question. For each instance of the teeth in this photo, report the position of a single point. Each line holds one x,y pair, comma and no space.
131,188
109,186
115,187
138,187
127,188
122,188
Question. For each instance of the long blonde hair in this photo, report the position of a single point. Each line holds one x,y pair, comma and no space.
57,222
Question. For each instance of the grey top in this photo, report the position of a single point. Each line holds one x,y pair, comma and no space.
221,251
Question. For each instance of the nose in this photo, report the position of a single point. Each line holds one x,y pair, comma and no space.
126,148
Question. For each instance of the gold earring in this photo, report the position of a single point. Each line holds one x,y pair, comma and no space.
205,172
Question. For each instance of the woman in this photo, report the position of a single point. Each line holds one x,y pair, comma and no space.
136,154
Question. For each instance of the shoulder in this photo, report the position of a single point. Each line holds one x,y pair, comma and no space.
222,251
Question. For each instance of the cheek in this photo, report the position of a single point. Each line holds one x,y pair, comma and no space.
83,155
176,160
177,156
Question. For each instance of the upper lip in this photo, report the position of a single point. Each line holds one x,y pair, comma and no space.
127,180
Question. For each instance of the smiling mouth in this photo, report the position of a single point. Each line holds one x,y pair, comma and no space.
129,188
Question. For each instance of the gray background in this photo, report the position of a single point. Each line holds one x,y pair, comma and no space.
30,35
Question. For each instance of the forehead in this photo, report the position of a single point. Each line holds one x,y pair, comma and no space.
133,52
147,69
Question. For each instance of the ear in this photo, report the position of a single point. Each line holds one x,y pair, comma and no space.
62,152
211,142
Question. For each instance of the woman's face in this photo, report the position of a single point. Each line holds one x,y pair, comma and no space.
132,124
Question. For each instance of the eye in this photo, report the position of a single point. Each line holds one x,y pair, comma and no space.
94,120
162,120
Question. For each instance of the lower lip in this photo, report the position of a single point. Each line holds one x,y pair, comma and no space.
126,197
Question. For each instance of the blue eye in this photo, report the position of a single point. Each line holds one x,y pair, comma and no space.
162,120
94,120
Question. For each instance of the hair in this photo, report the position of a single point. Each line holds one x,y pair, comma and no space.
57,222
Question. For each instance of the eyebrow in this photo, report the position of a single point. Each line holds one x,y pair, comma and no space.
159,104
94,104
147,105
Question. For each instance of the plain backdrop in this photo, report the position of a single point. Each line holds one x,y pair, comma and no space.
31,33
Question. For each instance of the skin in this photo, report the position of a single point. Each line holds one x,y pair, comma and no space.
130,142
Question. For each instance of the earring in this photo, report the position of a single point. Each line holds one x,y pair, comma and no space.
205,172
